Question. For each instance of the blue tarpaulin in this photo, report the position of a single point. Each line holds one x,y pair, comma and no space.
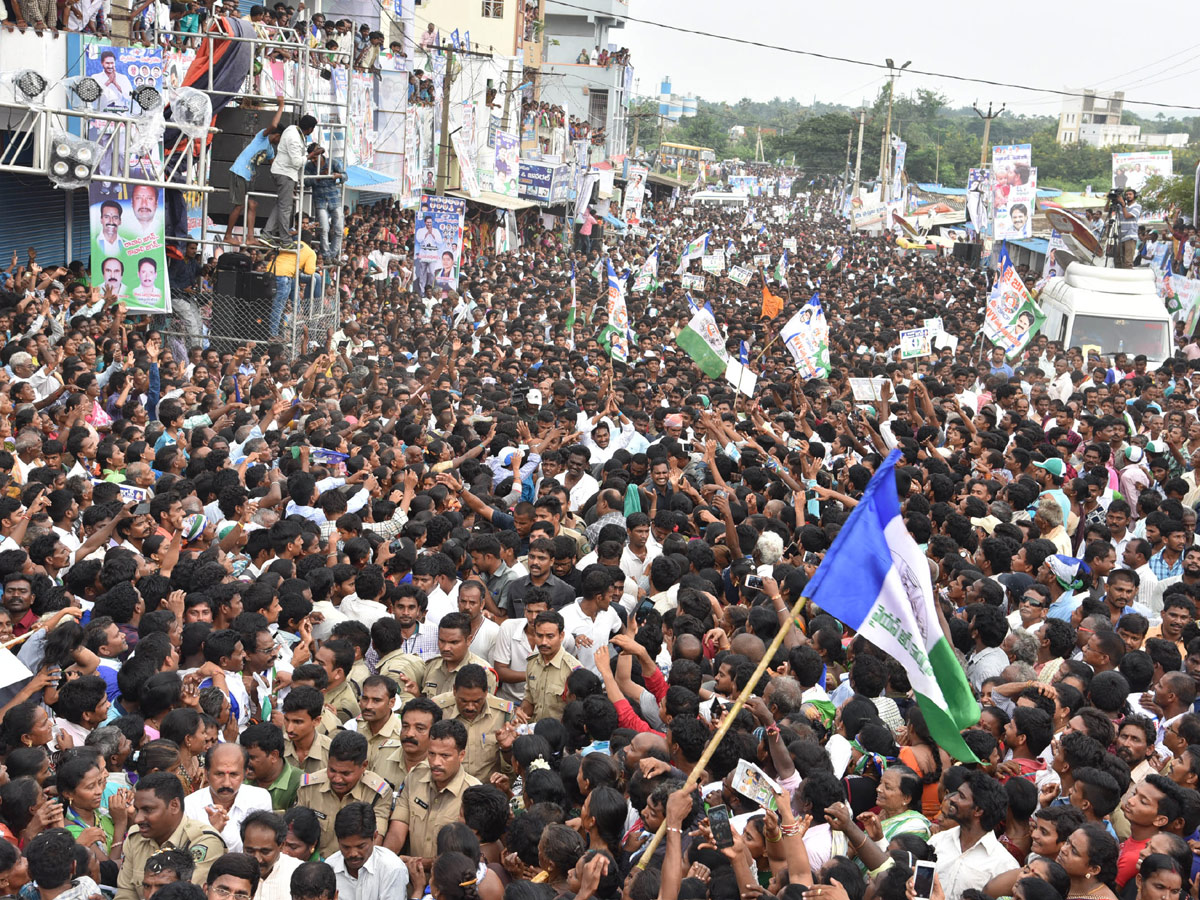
612,220
1034,245
361,176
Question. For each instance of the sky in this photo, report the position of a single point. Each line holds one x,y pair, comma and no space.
1162,69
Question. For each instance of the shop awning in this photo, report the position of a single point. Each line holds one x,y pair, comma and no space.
1034,245
361,176
491,198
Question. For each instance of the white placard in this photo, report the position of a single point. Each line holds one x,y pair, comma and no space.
741,377
693,282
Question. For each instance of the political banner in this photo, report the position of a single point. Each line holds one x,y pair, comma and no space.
128,224
437,242
693,282
689,210
934,325
785,189
1013,317
713,262
1132,170
535,181
635,194
744,184
762,260
979,200
638,231
740,275
898,170
1014,192
790,244
508,164
915,342
618,318
466,164
806,335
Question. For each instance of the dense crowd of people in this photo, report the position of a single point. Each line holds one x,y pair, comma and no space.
451,602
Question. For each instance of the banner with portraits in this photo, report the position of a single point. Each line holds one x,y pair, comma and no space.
1133,170
1012,317
1014,192
508,164
128,223
437,243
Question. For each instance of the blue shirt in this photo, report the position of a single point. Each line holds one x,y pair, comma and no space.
245,163
1162,569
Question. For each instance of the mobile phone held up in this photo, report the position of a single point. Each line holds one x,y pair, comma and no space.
923,879
718,823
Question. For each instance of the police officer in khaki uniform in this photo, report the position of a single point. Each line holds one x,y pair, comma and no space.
302,710
417,718
547,670
454,643
327,720
337,659
378,724
161,825
432,793
486,718
346,780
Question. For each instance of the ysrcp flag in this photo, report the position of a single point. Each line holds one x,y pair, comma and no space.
618,317
806,335
646,278
875,579
694,250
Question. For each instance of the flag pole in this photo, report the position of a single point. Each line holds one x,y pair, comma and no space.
766,345
727,722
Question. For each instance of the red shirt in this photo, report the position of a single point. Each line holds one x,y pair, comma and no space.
1127,861
27,622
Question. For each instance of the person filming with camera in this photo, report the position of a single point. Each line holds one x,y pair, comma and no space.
1127,211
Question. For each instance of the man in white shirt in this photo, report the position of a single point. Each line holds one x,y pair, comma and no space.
484,631
514,645
580,485
590,621
1061,386
363,870
290,156
227,800
263,834
969,855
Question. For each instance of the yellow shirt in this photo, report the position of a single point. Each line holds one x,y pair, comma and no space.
285,262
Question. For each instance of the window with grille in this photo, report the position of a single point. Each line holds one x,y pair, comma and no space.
493,9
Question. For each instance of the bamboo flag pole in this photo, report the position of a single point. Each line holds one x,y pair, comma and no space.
726,723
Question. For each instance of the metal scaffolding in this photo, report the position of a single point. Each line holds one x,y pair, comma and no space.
187,164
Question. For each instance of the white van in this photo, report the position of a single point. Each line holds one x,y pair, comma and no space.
1111,310
719,198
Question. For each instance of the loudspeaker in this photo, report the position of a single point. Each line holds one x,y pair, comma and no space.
968,252
234,260
244,284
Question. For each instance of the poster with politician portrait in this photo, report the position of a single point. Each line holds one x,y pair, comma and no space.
127,221
1014,192
128,246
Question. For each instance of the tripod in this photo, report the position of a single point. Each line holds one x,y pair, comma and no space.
1108,235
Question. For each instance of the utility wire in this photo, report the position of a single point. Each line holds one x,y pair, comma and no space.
874,65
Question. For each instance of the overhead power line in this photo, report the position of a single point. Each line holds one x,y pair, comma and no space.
874,65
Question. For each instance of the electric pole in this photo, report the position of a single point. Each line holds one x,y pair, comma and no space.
862,119
884,153
987,129
507,96
443,168
846,176
637,121
937,163
759,155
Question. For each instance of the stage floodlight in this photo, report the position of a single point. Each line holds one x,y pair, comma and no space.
72,160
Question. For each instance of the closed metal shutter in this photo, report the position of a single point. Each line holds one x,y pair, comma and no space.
81,228
35,215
